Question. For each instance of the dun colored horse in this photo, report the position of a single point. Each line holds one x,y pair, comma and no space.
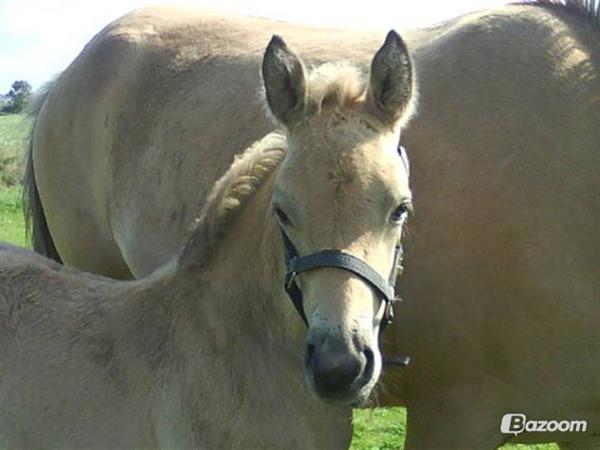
501,312
206,352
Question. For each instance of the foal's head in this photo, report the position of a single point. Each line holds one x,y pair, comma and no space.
344,186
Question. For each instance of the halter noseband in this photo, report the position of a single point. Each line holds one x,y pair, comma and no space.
336,258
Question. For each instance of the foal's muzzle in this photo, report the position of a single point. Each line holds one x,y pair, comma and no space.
336,369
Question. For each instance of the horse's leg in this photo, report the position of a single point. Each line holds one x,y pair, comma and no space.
592,443
434,425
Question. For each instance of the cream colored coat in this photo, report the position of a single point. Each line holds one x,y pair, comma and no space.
501,284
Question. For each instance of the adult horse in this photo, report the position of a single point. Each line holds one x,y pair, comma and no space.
205,352
502,278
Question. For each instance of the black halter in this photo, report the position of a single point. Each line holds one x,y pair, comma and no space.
336,258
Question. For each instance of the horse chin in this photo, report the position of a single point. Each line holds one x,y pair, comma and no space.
354,398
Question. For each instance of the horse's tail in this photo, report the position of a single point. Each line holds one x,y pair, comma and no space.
35,219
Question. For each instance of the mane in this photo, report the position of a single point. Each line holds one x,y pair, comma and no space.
589,9
231,193
339,86
334,85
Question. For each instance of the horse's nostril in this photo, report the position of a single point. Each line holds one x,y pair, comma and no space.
334,374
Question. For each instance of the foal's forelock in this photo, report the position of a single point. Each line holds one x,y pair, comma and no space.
334,86
340,89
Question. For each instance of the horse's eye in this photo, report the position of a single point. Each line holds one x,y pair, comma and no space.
400,213
281,216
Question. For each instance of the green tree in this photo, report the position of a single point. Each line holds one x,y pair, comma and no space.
19,93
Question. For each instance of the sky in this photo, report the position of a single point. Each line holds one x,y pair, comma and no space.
39,38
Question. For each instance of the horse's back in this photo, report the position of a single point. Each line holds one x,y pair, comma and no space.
156,105
62,384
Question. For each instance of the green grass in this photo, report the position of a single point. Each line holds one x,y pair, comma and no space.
13,136
374,429
12,223
384,428
379,429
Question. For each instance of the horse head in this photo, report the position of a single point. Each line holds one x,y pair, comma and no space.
341,197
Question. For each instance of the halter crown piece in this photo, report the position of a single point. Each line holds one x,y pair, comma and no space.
336,258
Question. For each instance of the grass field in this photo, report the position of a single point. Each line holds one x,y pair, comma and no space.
13,134
12,225
376,429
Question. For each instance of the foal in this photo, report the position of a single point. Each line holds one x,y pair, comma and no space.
207,352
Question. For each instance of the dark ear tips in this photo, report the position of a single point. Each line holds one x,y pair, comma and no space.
277,41
395,41
391,78
284,83
393,38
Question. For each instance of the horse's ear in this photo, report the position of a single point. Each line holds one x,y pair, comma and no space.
391,80
285,82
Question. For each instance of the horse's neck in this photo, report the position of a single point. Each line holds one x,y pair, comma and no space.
244,280
234,317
